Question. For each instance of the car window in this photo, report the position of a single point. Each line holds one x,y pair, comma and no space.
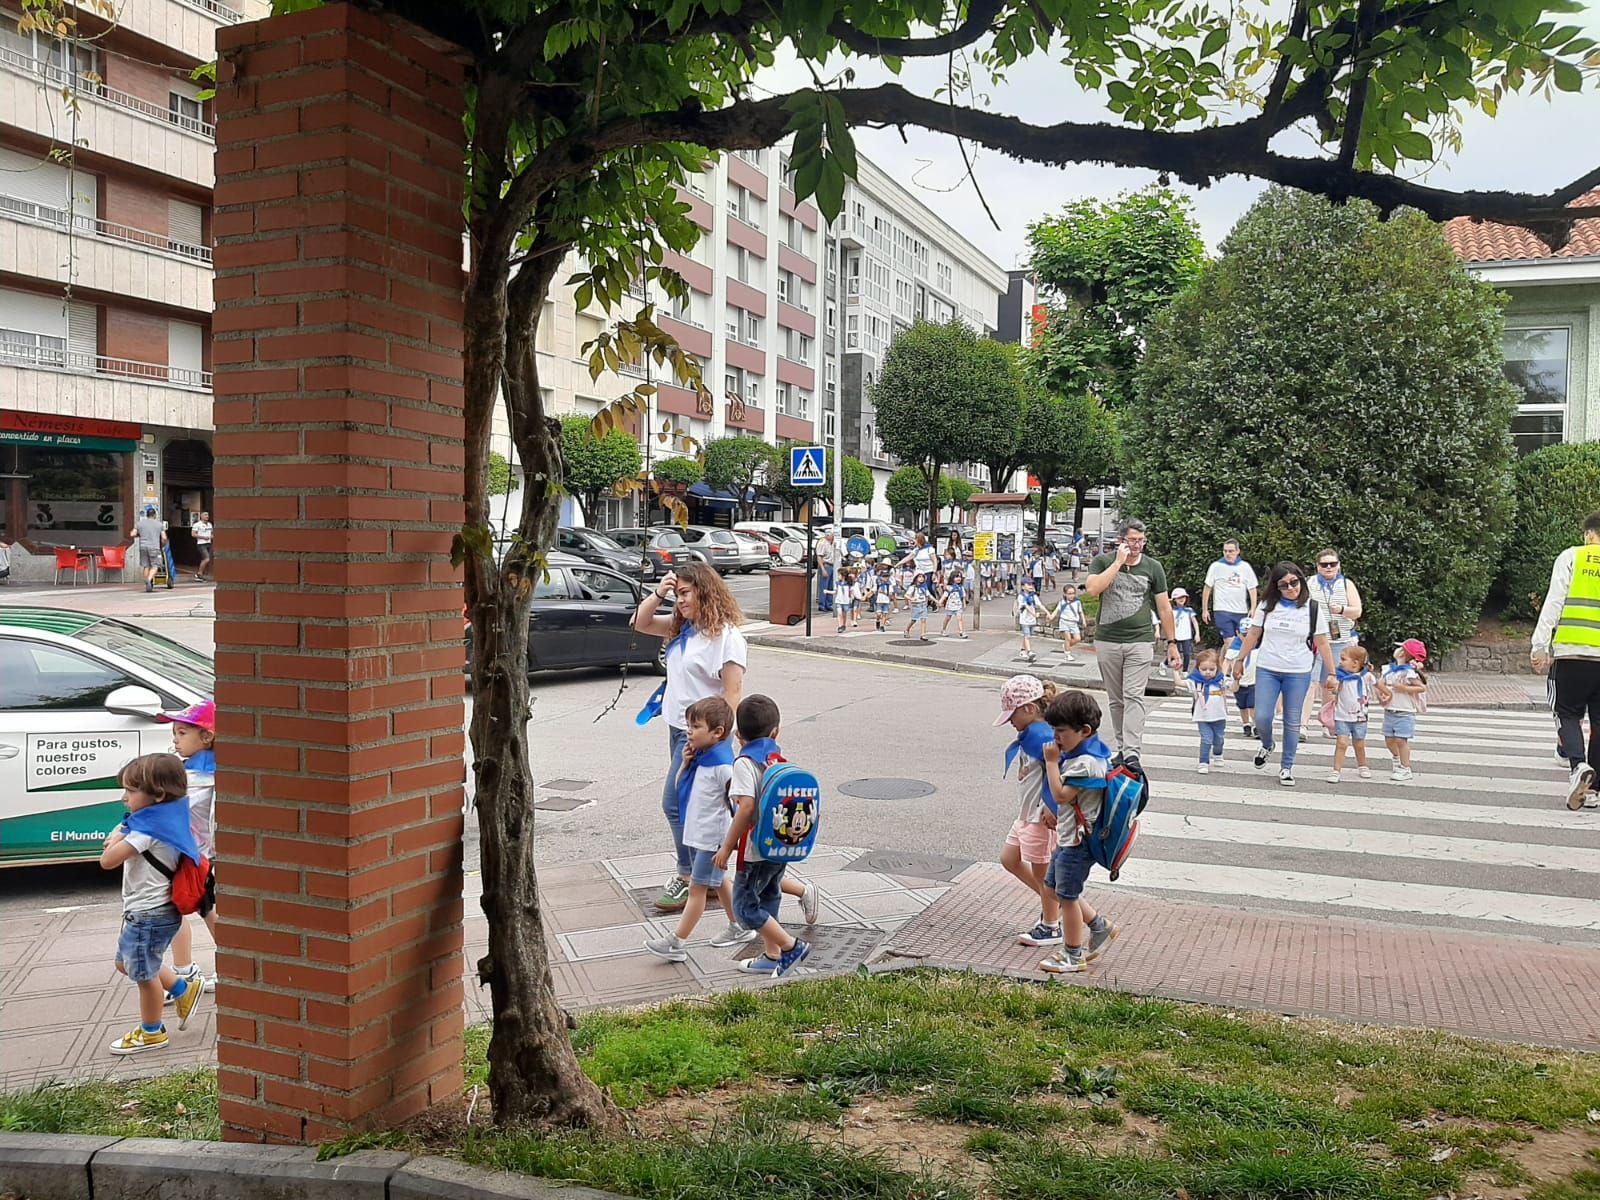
602,541
603,585
668,541
721,535
154,653
569,541
552,587
34,676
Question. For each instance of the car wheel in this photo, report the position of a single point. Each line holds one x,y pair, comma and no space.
660,664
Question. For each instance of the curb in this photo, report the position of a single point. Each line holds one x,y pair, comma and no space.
43,1166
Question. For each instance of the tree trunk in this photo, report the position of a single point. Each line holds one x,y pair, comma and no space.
1044,504
534,1074
932,472
1080,497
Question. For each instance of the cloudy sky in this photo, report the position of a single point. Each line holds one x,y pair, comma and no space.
1534,144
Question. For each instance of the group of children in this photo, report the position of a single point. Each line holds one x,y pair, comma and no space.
882,590
167,834
1401,688
717,790
1067,616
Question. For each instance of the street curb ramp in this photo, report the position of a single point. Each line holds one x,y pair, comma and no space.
46,1166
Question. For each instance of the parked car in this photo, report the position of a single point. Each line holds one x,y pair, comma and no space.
582,616
79,694
755,554
663,548
776,532
719,546
600,549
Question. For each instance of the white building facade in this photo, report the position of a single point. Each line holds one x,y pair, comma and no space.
105,275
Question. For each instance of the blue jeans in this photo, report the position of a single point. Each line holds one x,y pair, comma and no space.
757,893
677,739
825,590
144,938
1211,734
1270,685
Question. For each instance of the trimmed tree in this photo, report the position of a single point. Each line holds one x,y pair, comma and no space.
500,471
907,494
1556,488
945,395
596,465
1006,453
741,464
858,483
1326,358
961,490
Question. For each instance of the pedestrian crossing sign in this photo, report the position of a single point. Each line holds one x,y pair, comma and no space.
808,466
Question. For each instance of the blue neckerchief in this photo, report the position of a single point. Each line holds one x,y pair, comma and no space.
201,762
166,822
1288,603
1399,668
1204,682
1031,741
720,755
652,706
761,751
682,639
1359,676
1029,598
1093,747
1222,562
1185,610
1327,584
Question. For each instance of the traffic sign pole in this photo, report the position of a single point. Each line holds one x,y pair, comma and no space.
808,468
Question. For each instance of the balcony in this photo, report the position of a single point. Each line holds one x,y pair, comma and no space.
110,389
49,243
188,26
111,122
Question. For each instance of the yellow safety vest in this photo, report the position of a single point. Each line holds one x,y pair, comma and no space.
1580,614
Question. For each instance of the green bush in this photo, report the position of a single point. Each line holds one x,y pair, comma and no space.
1332,380
1557,487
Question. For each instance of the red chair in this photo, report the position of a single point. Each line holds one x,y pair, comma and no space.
110,558
68,559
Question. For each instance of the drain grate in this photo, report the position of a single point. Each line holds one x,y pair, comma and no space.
910,642
565,785
833,947
561,803
887,789
911,864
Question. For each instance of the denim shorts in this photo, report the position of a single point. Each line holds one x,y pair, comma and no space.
144,940
1069,871
1245,697
1400,725
757,892
704,873
1356,731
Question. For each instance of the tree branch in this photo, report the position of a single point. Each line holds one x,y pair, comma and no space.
980,21
1285,68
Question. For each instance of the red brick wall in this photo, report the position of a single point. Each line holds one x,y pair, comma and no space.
135,202
338,482
138,79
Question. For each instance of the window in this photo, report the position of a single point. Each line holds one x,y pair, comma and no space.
744,205
831,322
1537,366
39,677
830,426
552,585
785,171
696,183
731,322
752,391
38,348
752,329
783,286
58,60
852,332
944,276
731,382
187,112
803,402
749,268
780,403
754,157
605,586
803,347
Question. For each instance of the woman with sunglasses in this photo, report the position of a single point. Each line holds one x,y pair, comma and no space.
1340,597
1289,629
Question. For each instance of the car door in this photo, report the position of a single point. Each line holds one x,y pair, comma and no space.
609,604
557,623
573,543
61,751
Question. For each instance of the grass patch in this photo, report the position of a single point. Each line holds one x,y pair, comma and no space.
1014,1091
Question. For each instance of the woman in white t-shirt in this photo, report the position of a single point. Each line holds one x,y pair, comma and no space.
705,657
1287,646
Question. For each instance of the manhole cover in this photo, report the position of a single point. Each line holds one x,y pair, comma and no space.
833,947
909,642
565,785
909,863
645,898
887,789
560,803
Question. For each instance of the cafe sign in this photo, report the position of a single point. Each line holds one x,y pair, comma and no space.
55,431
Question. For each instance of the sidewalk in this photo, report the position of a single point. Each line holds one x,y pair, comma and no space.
127,601
62,1002
997,651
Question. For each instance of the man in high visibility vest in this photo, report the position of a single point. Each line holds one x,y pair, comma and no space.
1568,634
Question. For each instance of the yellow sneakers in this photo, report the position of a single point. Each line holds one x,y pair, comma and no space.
190,1000
137,1040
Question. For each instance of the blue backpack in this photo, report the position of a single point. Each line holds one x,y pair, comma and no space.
788,808
1110,839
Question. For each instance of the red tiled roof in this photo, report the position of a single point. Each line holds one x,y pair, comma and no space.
1483,241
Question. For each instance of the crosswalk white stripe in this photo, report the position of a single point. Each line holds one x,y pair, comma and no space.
1454,720
1374,803
1429,774
1322,748
1329,838
1520,743
1388,896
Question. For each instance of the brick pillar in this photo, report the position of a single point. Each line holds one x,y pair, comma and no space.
338,488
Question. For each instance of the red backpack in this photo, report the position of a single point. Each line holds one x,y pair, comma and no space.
188,881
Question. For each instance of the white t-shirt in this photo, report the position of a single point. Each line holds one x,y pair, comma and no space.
1030,790
1213,707
201,531
746,781
203,811
706,823
1405,702
925,559
143,887
1182,626
1350,703
1230,585
1027,613
1071,614
694,670
1283,637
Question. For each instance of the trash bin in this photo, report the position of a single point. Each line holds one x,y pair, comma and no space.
786,595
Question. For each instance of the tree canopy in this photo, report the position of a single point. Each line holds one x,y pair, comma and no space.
907,493
858,483
1332,380
742,464
596,465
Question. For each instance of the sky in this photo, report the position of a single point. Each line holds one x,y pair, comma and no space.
1534,144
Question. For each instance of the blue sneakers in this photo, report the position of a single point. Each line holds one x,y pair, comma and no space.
792,956
762,965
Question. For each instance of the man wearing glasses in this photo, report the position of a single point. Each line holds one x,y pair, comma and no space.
1231,585
1131,587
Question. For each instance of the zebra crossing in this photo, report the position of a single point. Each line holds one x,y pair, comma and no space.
1480,839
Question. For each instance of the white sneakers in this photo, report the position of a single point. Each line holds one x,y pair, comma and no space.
1203,769
1401,775
1582,781
1286,778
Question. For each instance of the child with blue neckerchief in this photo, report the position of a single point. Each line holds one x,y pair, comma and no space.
955,600
1244,695
919,596
1185,626
1357,686
1031,844
1075,757
1401,690
1030,611
1208,689
1069,618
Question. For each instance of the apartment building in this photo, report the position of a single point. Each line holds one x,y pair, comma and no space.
105,274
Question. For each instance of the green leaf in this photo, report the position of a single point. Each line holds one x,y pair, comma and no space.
1412,144
1568,78
1215,40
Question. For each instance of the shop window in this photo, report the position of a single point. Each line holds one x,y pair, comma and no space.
72,492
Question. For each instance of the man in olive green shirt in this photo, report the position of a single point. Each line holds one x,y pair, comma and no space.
1129,583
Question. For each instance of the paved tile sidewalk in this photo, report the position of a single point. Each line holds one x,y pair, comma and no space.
1501,988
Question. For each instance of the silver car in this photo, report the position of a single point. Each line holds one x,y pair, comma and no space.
754,552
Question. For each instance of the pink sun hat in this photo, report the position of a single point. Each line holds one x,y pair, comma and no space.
202,715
